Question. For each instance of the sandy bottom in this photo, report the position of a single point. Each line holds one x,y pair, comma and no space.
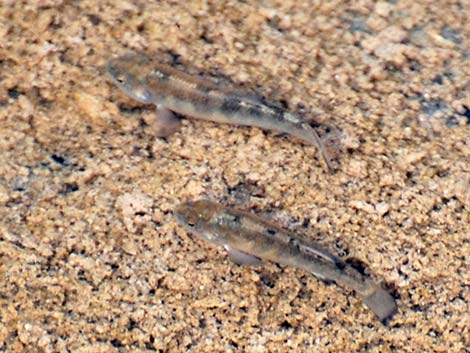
91,258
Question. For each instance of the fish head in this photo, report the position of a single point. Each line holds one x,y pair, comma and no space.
196,217
130,73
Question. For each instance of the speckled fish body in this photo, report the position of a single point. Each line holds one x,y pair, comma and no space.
248,235
150,81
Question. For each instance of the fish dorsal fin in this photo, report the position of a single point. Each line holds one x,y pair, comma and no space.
242,258
322,253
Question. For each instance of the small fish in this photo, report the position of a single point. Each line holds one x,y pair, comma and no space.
250,239
150,81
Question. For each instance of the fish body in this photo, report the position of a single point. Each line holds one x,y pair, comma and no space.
152,82
246,236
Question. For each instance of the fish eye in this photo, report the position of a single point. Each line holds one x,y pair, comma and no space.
191,224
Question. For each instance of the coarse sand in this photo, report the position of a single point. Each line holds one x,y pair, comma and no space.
91,258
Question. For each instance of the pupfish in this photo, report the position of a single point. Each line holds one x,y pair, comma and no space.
150,81
250,239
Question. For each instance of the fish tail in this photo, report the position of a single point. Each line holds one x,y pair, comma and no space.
373,296
314,139
380,302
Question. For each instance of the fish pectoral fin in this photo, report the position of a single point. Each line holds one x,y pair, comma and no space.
242,258
166,123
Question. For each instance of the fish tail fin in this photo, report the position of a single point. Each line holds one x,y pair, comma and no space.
316,140
377,299
381,303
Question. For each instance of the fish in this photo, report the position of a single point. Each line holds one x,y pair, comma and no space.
151,81
250,239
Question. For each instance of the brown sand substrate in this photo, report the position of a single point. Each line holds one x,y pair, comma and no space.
91,257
